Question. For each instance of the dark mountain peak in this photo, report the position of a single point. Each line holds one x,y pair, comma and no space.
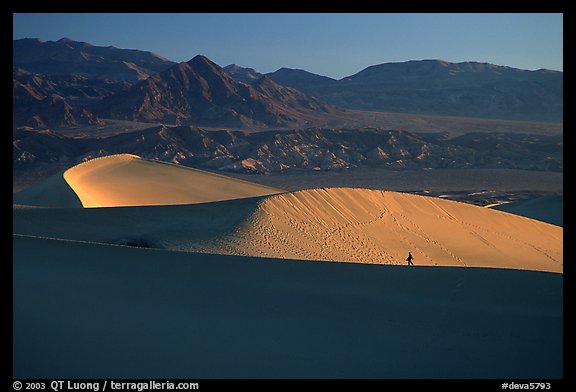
285,70
295,72
201,59
298,78
69,57
65,40
28,41
201,92
430,61
203,66
70,43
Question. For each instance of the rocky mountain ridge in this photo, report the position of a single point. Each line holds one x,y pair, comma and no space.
310,149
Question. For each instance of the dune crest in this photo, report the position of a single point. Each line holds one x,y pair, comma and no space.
332,224
128,180
372,226
199,211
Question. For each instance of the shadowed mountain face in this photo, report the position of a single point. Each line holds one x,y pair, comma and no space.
34,109
439,87
78,90
300,79
201,92
52,80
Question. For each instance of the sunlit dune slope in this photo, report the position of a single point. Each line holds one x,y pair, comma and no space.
373,226
128,180
338,224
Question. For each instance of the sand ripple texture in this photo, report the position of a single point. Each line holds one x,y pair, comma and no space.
331,224
371,226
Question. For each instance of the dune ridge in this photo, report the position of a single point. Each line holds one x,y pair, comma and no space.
185,273
128,180
372,226
325,224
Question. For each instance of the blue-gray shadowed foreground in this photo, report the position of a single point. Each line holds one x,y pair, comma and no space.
102,311
547,209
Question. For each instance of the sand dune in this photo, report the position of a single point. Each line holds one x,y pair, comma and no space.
128,180
333,224
100,311
381,227
52,192
88,306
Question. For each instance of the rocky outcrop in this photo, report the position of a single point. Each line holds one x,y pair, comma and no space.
310,149
200,92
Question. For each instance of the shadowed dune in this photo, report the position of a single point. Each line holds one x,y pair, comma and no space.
52,192
91,310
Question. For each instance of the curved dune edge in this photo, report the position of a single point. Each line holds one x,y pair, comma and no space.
334,224
52,192
372,226
128,180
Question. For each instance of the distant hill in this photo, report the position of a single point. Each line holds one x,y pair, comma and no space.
441,88
296,78
201,92
300,79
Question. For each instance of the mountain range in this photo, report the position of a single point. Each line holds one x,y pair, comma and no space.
37,108
201,92
75,83
107,82
53,81
68,57
468,89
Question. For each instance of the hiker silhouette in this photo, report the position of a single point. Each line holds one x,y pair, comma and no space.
409,259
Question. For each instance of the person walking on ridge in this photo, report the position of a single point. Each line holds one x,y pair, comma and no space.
409,259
